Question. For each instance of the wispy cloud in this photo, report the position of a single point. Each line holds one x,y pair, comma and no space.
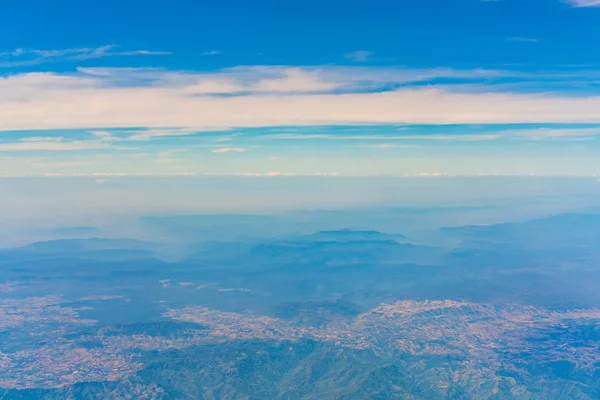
527,134
229,150
141,53
212,53
147,134
550,133
104,136
275,174
425,137
27,57
584,3
388,146
246,80
108,174
522,39
324,174
51,146
43,139
170,152
359,55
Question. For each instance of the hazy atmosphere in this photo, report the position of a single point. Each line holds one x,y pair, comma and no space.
317,200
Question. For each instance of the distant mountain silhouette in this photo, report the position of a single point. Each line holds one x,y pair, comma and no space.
352,235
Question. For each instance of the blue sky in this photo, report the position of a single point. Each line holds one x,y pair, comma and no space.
467,33
270,88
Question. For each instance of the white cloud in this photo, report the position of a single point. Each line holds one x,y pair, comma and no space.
295,80
253,80
229,150
271,97
214,86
